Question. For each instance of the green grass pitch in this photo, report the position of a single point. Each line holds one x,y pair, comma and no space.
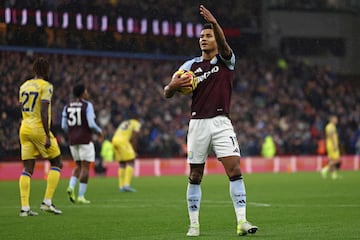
284,206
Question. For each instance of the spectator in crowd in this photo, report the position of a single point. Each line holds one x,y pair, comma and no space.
332,149
243,14
268,148
356,141
263,99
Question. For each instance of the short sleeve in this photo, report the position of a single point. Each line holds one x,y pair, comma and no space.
230,63
137,126
47,92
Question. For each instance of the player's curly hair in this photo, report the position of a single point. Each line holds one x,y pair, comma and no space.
207,26
41,68
78,90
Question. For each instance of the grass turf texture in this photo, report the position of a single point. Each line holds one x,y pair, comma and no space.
284,206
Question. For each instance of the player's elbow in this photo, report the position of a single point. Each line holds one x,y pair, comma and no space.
167,95
167,92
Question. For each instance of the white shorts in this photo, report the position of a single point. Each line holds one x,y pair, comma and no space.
215,133
83,152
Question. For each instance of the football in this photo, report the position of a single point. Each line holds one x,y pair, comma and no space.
193,82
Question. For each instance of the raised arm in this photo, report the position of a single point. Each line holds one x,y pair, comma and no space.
223,47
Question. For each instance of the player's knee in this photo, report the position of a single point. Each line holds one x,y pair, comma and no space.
195,177
234,173
338,165
122,164
29,166
85,169
29,170
131,163
59,164
194,180
84,175
56,162
235,177
196,173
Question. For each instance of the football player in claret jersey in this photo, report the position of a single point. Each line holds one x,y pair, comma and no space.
36,139
210,126
78,120
332,149
124,143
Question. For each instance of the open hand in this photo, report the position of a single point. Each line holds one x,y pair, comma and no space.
207,15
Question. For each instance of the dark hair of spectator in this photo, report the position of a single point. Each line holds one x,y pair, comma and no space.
41,68
132,114
78,90
207,26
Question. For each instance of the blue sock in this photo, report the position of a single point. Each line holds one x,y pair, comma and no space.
82,189
73,181
193,195
238,196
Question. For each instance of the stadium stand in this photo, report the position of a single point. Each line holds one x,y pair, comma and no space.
291,103
243,15
285,98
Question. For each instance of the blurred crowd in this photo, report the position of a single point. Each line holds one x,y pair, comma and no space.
285,99
234,15
332,5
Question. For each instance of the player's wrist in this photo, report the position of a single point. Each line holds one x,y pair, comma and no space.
170,88
168,92
215,23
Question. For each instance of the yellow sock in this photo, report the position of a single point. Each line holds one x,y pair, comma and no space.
121,173
24,185
52,182
128,175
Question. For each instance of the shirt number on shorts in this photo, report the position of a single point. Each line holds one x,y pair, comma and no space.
233,140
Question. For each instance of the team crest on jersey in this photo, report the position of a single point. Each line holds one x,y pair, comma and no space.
190,154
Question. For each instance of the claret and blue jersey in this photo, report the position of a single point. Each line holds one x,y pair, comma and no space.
78,119
213,93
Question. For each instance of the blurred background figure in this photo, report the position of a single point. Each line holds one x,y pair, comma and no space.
356,141
106,155
332,149
124,144
78,121
268,148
